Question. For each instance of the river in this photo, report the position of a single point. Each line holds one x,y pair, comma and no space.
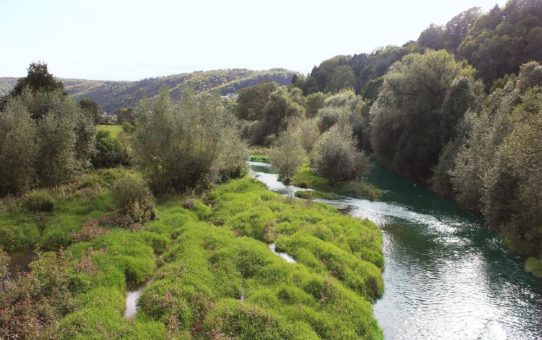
446,276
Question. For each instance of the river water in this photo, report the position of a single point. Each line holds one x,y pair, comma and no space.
446,276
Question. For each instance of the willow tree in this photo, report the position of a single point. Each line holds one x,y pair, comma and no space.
189,144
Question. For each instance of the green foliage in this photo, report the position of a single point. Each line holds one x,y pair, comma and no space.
133,199
91,109
287,154
110,151
283,107
187,145
416,109
17,149
315,101
452,34
354,72
503,39
336,158
126,115
323,188
112,130
38,79
346,106
252,100
38,201
49,150
497,168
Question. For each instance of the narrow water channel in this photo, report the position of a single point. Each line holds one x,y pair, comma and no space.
446,276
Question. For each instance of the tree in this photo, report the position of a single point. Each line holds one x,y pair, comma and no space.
56,158
314,102
432,37
126,115
252,100
90,107
17,149
409,122
342,78
503,39
336,158
287,154
37,79
281,108
191,144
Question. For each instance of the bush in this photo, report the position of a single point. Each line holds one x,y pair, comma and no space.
133,199
39,201
336,158
109,152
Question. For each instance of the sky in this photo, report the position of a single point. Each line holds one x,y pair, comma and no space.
133,39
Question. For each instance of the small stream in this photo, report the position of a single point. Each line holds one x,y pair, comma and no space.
446,276
131,303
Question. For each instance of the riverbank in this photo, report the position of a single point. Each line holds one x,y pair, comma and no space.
207,269
441,264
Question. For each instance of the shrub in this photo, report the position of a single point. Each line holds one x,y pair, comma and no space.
336,158
38,201
133,199
109,152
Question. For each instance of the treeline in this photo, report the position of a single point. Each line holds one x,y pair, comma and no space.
496,43
458,110
47,138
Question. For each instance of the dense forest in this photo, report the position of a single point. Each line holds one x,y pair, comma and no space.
114,95
163,206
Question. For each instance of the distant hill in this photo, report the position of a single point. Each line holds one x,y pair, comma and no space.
112,95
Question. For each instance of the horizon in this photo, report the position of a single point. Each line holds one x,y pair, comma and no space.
96,40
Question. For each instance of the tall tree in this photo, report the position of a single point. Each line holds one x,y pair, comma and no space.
409,125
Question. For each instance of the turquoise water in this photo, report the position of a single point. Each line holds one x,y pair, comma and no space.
446,276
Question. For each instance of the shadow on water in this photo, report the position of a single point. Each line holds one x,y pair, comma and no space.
446,275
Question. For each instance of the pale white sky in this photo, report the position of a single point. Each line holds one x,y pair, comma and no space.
133,39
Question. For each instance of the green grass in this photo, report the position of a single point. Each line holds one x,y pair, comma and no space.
305,178
75,204
113,130
220,279
206,268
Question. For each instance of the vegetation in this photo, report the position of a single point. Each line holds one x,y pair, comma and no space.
336,158
231,284
287,155
417,110
187,145
133,199
43,135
